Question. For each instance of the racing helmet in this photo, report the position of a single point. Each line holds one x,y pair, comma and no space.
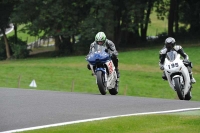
170,43
100,38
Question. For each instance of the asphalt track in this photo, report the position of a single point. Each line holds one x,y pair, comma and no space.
25,108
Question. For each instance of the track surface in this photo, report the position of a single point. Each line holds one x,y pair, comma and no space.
23,108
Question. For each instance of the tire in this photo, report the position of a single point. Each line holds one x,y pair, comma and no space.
114,91
178,88
188,96
101,82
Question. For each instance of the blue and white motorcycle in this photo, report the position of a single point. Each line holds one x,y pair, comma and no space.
103,69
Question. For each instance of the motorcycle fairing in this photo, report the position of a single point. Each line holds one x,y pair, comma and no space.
174,67
96,57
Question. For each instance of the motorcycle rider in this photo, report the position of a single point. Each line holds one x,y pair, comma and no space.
100,39
170,44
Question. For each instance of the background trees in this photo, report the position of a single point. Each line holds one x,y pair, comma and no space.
6,9
124,22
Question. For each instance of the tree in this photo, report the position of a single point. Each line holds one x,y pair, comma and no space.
59,19
190,15
124,22
5,12
146,18
171,18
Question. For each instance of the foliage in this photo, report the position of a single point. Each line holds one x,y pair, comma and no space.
125,22
5,12
54,18
6,8
189,14
20,50
2,49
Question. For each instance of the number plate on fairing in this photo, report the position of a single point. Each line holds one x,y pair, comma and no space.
173,65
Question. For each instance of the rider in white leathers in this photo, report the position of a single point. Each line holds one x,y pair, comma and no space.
170,44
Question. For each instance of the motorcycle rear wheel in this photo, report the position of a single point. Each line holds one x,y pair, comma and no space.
178,88
114,91
188,96
101,82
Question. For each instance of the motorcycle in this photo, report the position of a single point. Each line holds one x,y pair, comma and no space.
103,69
178,75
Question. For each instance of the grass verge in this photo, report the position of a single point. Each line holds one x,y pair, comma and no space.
140,74
133,124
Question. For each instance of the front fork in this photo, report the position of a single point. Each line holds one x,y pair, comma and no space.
104,71
181,80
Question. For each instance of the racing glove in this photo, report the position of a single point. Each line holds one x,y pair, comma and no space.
88,67
106,50
112,55
186,60
161,66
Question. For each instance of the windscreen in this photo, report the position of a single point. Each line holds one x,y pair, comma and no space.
171,55
98,48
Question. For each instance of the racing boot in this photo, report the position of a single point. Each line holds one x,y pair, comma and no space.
192,78
88,67
118,75
164,77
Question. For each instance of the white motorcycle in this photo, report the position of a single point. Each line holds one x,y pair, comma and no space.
178,75
103,69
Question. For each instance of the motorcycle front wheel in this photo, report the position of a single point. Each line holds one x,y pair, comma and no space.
101,82
178,88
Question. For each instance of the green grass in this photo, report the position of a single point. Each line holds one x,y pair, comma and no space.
140,74
133,124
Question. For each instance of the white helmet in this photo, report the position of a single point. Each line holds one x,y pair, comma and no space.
170,42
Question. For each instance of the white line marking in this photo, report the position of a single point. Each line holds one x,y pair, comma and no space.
101,118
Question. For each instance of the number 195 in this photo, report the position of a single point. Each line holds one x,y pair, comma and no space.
173,65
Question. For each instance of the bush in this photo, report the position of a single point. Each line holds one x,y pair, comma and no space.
2,49
19,49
